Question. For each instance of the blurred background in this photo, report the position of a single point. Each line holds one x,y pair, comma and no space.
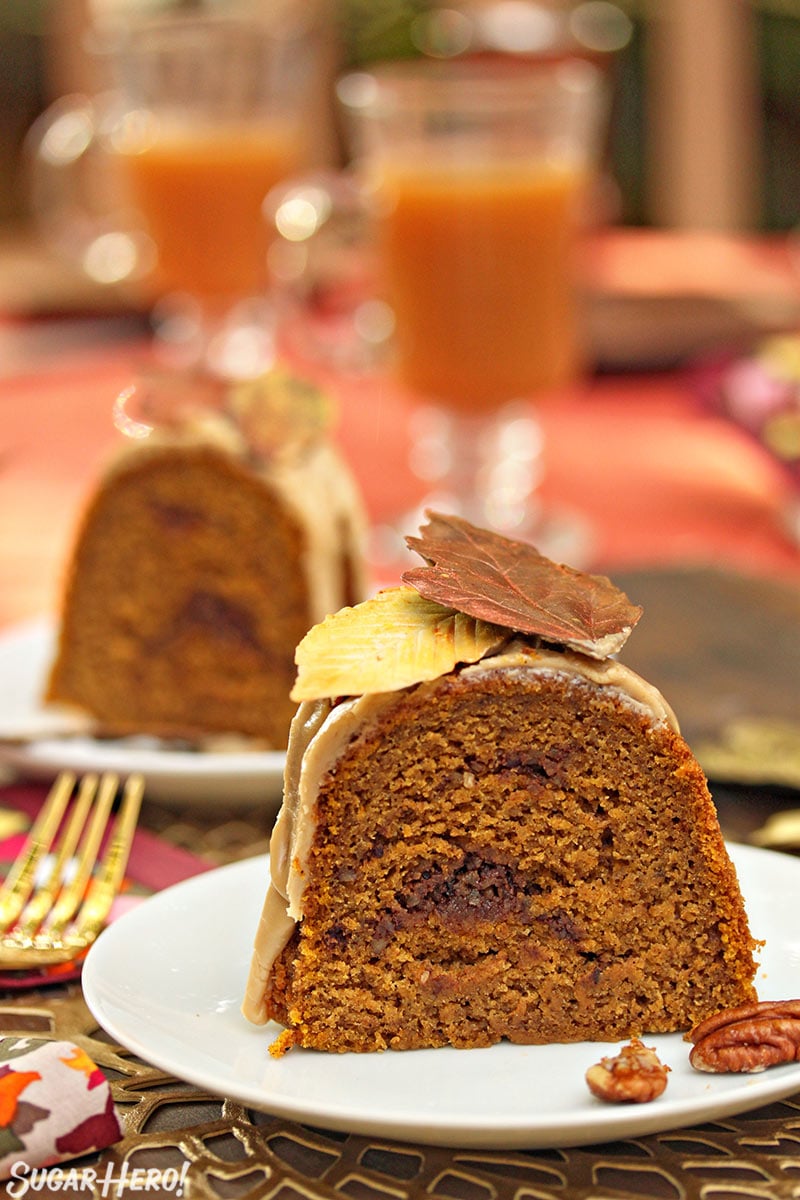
706,122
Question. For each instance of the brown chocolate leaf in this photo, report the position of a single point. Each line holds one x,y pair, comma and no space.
510,583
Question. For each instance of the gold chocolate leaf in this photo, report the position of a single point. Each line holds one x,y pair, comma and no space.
396,639
277,410
509,583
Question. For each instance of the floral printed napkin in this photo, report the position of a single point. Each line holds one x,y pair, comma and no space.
55,1104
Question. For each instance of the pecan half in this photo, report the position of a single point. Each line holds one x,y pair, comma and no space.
749,1038
634,1076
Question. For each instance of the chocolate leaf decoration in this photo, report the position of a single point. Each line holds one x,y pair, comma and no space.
392,641
163,398
279,411
509,583
275,413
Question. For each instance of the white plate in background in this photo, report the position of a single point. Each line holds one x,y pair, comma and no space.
172,774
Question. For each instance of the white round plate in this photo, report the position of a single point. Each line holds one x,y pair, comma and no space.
182,776
167,980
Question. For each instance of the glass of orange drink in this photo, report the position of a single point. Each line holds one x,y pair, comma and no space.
205,112
475,176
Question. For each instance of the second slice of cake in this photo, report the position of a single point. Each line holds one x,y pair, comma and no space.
209,545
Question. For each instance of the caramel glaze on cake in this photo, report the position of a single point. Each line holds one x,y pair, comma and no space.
524,849
194,575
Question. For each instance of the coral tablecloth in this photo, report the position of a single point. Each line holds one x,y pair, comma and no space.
660,479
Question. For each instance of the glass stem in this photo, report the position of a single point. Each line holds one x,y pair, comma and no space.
487,468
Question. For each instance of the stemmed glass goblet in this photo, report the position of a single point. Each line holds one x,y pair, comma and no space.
159,182
472,177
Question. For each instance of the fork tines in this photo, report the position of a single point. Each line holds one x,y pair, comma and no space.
53,902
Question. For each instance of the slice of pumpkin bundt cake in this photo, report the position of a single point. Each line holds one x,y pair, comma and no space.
491,828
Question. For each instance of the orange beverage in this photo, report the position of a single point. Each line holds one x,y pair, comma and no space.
200,192
477,265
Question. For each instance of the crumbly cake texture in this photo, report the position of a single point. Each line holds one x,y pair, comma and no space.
523,848
198,566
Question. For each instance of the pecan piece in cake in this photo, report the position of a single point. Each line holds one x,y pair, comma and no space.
634,1076
748,1038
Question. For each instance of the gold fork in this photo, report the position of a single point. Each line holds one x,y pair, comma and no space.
56,918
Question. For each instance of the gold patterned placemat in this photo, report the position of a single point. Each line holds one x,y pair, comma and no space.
234,1152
